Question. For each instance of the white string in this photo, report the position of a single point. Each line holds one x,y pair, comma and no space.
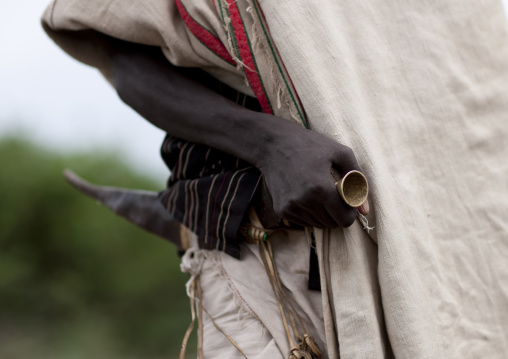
365,222
192,262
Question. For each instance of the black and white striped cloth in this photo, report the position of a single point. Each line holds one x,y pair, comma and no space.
210,191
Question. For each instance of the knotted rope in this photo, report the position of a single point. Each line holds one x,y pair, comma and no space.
304,347
192,262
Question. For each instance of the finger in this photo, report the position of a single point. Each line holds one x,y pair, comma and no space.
342,214
328,220
364,208
315,217
303,222
322,218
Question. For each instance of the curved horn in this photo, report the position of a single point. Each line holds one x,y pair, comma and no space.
139,207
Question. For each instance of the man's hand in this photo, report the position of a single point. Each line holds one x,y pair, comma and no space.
300,169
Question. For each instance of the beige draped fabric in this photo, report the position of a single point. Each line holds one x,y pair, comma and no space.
418,89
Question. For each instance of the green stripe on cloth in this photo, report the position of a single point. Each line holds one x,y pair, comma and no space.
261,20
254,59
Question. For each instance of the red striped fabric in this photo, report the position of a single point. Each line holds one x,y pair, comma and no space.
247,58
276,56
203,35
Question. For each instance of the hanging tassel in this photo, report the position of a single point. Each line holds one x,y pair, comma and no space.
307,347
192,290
313,346
365,222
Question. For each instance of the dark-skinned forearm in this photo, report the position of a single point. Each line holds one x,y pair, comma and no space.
185,108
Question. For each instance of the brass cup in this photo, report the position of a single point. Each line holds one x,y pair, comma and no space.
353,188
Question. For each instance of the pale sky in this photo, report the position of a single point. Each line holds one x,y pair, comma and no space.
61,103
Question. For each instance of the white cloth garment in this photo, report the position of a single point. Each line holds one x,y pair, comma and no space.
418,90
239,298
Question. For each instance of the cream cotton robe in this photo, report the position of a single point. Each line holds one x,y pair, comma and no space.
419,91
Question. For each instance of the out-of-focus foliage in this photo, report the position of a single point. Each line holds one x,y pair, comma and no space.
75,280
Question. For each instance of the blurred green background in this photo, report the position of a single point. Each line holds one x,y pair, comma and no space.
75,280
